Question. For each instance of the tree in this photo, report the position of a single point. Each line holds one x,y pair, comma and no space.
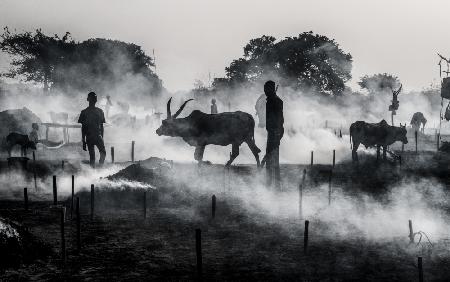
69,66
309,61
35,55
382,82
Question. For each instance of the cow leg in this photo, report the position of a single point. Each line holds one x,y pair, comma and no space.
198,154
384,152
234,153
354,153
255,150
378,153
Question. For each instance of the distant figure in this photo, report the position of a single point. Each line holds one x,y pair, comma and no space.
260,108
275,131
15,138
213,107
417,120
92,120
34,134
108,105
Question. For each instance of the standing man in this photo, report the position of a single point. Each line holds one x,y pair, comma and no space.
214,107
92,120
275,131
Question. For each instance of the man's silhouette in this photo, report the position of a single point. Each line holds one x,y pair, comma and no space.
275,131
214,107
92,119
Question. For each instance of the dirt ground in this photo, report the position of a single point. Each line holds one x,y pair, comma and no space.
239,244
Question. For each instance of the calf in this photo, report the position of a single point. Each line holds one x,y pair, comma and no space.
15,138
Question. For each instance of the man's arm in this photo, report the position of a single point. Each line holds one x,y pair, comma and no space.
83,130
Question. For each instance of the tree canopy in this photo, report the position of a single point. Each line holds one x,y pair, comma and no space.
381,82
309,61
63,64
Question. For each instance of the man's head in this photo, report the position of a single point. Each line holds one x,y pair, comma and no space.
35,126
213,101
269,88
92,98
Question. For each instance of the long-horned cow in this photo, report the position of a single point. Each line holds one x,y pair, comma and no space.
418,120
199,129
375,135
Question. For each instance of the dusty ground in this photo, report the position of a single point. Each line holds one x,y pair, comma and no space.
239,244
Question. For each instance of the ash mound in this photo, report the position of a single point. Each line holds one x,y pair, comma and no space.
153,171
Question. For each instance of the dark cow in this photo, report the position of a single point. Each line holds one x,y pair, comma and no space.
418,120
200,129
375,135
19,139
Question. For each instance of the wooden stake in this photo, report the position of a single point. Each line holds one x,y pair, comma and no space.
198,250
55,191
213,206
415,138
145,204
438,137
25,198
34,171
63,239
305,236
92,201
132,151
77,211
419,264
334,158
300,194
329,187
411,233
312,158
71,199
112,154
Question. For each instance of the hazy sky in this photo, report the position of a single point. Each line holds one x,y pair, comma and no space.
194,37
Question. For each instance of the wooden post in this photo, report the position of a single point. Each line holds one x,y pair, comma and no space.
112,154
213,206
71,199
77,211
340,133
34,171
63,239
403,148
145,204
419,265
46,133
305,236
411,233
25,198
329,187
300,194
132,151
415,138
312,158
438,137
334,158
55,191
92,201
198,250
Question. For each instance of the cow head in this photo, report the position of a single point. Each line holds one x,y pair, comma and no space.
401,134
172,126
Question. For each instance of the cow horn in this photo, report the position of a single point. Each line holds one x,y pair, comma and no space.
181,108
169,116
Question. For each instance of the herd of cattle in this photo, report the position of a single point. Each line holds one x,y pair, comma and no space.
199,129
